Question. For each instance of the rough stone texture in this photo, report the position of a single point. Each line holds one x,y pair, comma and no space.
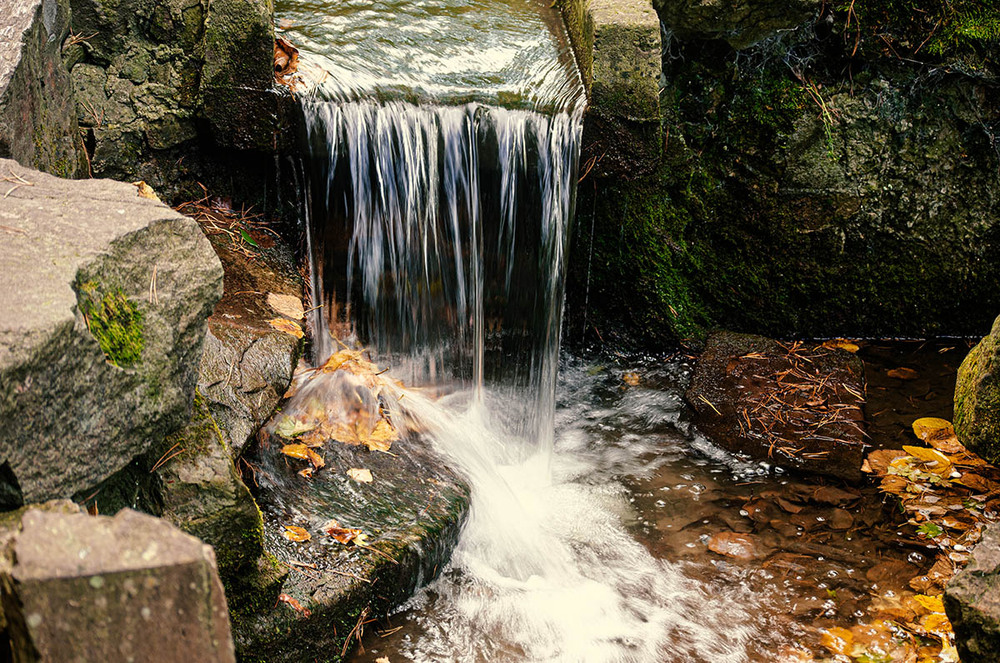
617,43
741,23
977,398
804,189
60,396
37,120
153,70
413,511
247,364
131,587
816,423
972,601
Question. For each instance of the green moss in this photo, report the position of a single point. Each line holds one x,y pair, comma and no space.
116,322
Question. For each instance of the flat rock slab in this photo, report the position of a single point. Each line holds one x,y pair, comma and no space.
128,588
972,601
103,301
412,513
796,405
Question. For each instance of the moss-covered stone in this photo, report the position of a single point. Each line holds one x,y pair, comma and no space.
977,398
116,323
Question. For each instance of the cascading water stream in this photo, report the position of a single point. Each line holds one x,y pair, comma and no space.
439,235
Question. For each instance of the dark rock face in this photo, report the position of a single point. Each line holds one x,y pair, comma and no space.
797,406
973,602
78,587
104,297
37,116
977,398
808,183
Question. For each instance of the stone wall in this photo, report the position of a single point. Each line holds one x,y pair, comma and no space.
810,180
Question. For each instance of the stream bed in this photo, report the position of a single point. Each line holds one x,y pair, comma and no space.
629,524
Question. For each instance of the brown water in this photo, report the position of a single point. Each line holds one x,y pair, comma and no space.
812,553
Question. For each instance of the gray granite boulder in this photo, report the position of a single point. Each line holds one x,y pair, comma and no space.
972,601
977,397
37,116
103,300
129,588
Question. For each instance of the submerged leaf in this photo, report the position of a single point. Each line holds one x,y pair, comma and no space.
902,373
290,427
841,344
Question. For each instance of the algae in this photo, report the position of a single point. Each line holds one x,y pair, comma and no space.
116,322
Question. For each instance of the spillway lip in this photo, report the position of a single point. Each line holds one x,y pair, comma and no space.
507,53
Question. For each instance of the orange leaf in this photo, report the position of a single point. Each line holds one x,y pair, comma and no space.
340,534
902,373
296,534
299,451
287,326
295,605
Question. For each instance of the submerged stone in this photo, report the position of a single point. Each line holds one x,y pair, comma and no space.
104,296
977,398
78,587
793,405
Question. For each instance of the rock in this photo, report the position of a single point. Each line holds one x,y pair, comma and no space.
104,297
972,601
248,364
742,23
977,398
125,588
38,124
413,513
793,405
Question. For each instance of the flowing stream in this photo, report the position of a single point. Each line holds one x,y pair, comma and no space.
444,138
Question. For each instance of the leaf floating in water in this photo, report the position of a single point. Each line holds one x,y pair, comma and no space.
287,305
838,640
841,344
631,379
902,373
290,427
295,605
296,534
360,475
287,326
342,535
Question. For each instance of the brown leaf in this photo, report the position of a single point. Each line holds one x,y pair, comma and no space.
340,534
296,534
841,519
835,496
902,373
287,326
880,459
295,605
314,458
841,344
733,544
306,472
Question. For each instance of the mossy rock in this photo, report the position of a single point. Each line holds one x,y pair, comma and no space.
977,398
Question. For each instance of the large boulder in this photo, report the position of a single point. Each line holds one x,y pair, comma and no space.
104,295
972,601
977,397
38,124
130,588
796,405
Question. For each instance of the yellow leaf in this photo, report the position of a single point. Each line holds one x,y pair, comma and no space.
926,425
340,534
940,462
838,640
631,379
299,451
287,305
381,437
314,458
287,326
146,191
841,344
296,534
360,475
937,623
930,603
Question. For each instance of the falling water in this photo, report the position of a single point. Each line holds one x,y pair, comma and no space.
440,199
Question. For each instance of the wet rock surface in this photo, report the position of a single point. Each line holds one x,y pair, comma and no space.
977,397
140,589
412,513
38,126
972,601
104,297
794,405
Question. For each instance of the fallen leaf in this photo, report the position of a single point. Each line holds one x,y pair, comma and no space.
340,534
733,544
838,640
299,451
631,379
296,534
924,426
361,475
841,344
287,326
306,472
930,603
294,604
902,373
290,427
382,659
314,458
146,191
880,459
248,239
287,305
937,462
